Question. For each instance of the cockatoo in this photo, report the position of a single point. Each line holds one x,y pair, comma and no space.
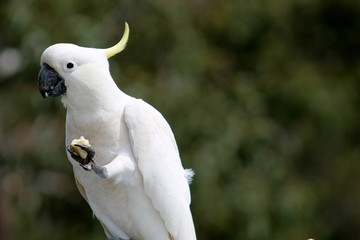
134,180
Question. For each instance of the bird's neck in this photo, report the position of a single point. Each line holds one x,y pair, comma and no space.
91,115
104,98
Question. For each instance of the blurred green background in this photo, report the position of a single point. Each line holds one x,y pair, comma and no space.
263,98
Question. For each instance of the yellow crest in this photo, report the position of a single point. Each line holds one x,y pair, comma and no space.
120,45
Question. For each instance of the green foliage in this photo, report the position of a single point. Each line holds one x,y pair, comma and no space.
263,98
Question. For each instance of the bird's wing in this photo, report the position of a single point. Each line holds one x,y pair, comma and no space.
158,160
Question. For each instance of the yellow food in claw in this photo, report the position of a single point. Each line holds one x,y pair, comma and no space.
80,141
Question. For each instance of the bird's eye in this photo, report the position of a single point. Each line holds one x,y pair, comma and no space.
69,65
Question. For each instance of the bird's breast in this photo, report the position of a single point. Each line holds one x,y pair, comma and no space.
107,134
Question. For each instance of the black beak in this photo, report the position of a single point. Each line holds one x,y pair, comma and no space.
50,82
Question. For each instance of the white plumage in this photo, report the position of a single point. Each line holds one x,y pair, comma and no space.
142,191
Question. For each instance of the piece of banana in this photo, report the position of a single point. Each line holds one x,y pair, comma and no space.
76,143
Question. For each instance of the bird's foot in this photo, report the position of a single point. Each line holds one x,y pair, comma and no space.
99,170
85,163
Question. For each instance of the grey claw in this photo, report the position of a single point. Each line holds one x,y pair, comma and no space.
87,163
85,167
78,158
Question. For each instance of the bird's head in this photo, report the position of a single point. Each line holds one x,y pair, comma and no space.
67,66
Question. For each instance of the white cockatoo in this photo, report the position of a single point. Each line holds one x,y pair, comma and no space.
132,176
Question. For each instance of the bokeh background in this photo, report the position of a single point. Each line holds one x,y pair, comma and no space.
263,98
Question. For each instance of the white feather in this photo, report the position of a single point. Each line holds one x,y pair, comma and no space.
165,180
146,193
